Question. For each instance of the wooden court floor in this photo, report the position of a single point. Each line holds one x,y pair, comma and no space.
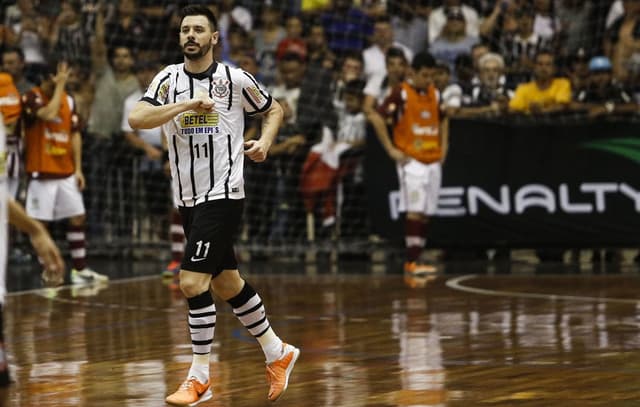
366,340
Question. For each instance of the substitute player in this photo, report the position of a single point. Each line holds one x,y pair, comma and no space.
200,105
53,148
420,138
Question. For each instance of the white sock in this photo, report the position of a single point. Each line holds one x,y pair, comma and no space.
271,345
200,368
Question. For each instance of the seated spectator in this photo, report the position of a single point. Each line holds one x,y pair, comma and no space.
438,19
409,23
377,91
347,28
373,56
545,93
454,39
622,42
490,97
604,96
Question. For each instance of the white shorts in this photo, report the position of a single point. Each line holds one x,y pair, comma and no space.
54,199
419,186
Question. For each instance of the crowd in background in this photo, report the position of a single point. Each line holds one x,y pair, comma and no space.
327,62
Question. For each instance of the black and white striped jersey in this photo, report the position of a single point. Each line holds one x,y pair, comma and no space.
206,150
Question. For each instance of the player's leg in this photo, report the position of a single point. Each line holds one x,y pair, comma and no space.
176,237
200,225
418,197
70,205
249,309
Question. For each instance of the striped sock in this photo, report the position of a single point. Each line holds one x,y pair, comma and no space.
248,308
77,243
414,238
202,323
176,233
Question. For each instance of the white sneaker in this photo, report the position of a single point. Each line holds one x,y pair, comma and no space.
86,276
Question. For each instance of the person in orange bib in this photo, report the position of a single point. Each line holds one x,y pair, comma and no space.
420,135
53,151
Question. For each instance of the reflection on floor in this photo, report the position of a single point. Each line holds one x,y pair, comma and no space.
480,334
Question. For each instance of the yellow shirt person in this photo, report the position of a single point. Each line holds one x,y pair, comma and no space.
557,93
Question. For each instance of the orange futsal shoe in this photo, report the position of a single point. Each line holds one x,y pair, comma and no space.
418,275
278,372
190,393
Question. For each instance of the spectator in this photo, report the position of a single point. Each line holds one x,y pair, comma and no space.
319,53
622,43
489,97
546,93
336,158
347,28
453,40
409,23
604,96
54,164
352,69
29,29
13,63
128,27
520,48
373,56
450,93
575,25
293,41
233,14
578,71
545,24
478,50
397,66
107,183
68,39
266,40
438,19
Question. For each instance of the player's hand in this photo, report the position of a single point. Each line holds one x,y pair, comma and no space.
49,256
153,153
256,150
62,74
203,104
80,180
397,155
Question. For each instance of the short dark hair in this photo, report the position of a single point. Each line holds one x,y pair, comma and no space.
17,50
423,60
199,10
352,55
355,87
395,52
545,51
292,57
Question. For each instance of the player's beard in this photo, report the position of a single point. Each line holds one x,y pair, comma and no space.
198,54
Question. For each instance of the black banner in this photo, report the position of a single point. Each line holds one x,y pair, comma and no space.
522,184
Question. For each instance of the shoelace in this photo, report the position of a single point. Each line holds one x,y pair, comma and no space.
187,384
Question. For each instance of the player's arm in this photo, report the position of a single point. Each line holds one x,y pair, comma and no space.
45,247
50,110
257,150
147,116
76,144
444,133
388,107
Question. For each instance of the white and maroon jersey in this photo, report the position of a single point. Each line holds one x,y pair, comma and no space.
206,150
4,196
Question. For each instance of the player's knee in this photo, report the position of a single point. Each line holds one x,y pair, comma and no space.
78,220
227,284
192,287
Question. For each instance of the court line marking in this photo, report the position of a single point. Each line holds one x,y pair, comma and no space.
455,284
42,290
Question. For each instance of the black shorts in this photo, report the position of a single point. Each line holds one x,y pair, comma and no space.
211,229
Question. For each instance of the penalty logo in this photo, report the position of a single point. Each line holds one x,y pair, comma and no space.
221,88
